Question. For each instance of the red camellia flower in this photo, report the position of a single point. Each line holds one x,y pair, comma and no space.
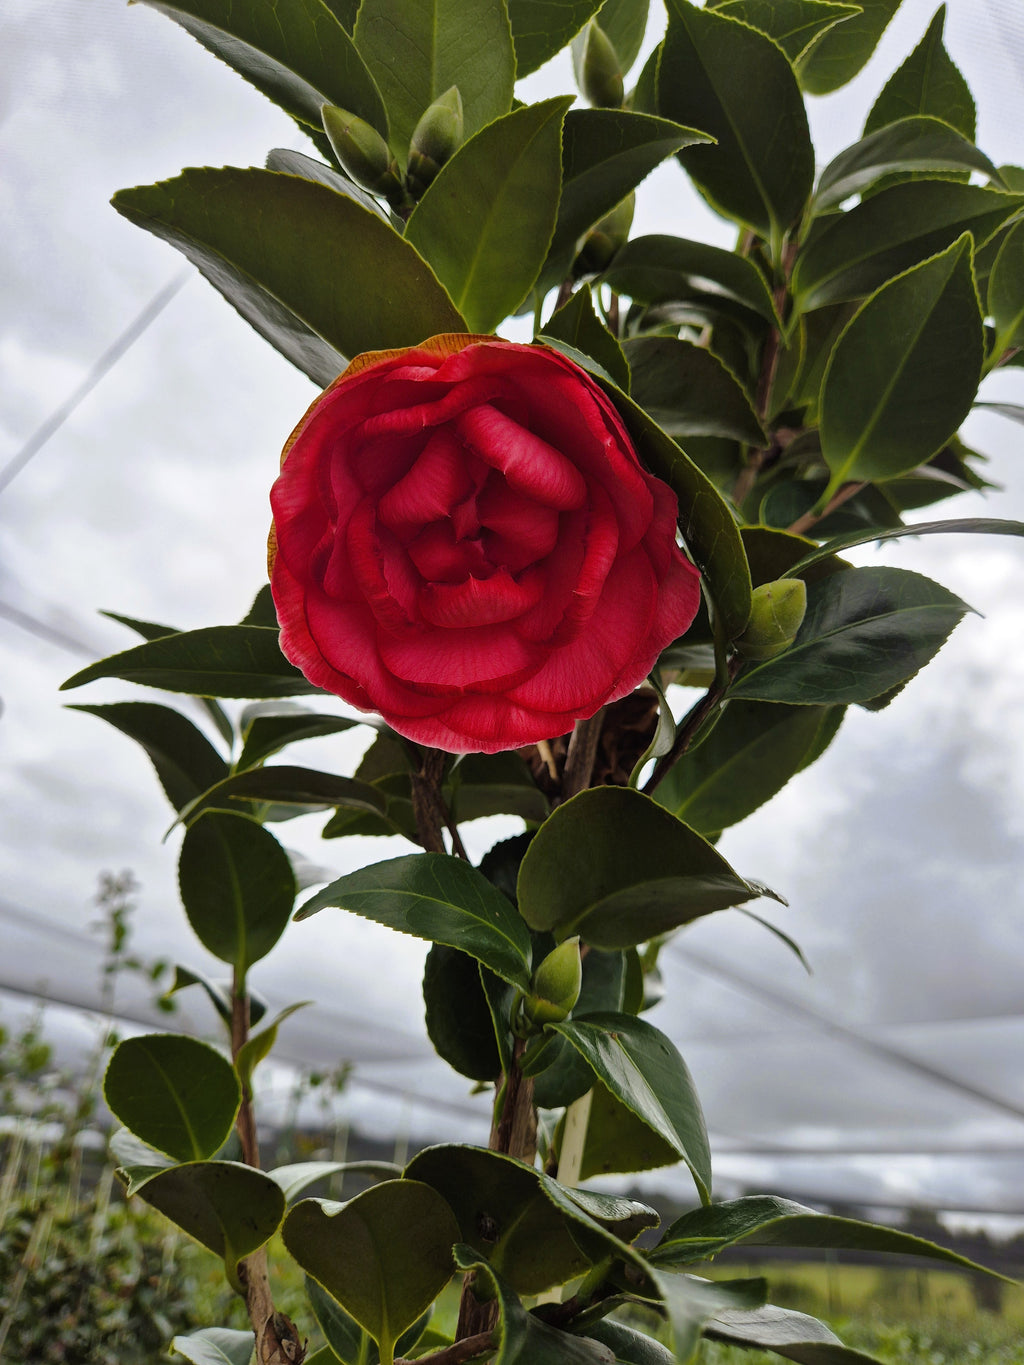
465,542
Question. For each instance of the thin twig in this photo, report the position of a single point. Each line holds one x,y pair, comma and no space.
460,1352
803,524
579,761
691,725
427,806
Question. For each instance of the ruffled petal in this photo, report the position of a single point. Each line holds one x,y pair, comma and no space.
528,463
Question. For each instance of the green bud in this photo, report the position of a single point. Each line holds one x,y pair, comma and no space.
362,151
598,248
436,138
556,985
776,614
600,69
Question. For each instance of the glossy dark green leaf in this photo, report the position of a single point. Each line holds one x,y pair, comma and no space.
286,785
928,82
215,1346
524,1339
796,25
237,887
346,1340
661,269
493,784
904,373
625,23
764,1220
217,992
298,55
267,727
854,253
774,554
644,1071
986,526
691,1303
708,526
749,756
618,869
485,223
175,1093
577,323
605,986
385,1255
228,1208
618,1142
540,28
418,49
284,279
527,1225
288,162
218,661
630,1346
605,154
458,1019
689,391
435,897
1014,412
918,143
300,1175
786,1333
866,630
846,49
1006,291
717,74
185,761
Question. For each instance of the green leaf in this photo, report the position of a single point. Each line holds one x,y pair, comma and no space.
286,785
540,28
284,279
298,55
577,324
385,1255
228,1208
792,1335
708,526
533,1232
258,1046
185,761
732,81
346,1339
617,1141
237,887
624,23
866,630
418,49
904,373
1013,412
298,1176
630,1346
618,869
764,1220
493,784
485,223
215,1346
458,1019
796,25
662,269
691,1303
267,727
175,1093
985,526
749,756
605,154
644,1071
689,391
605,985
524,1339
217,992
218,661
853,253
846,49
1006,291
288,162
442,899
928,82
919,143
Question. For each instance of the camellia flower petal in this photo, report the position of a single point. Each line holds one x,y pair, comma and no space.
465,541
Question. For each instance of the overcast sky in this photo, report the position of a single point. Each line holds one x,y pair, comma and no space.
900,852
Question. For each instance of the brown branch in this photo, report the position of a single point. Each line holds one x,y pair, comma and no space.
803,524
579,761
469,1348
426,801
690,726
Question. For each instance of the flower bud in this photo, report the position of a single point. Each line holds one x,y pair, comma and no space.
362,151
556,985
776,614
605,239
436,138
600,69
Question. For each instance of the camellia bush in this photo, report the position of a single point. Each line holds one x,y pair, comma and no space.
595,581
